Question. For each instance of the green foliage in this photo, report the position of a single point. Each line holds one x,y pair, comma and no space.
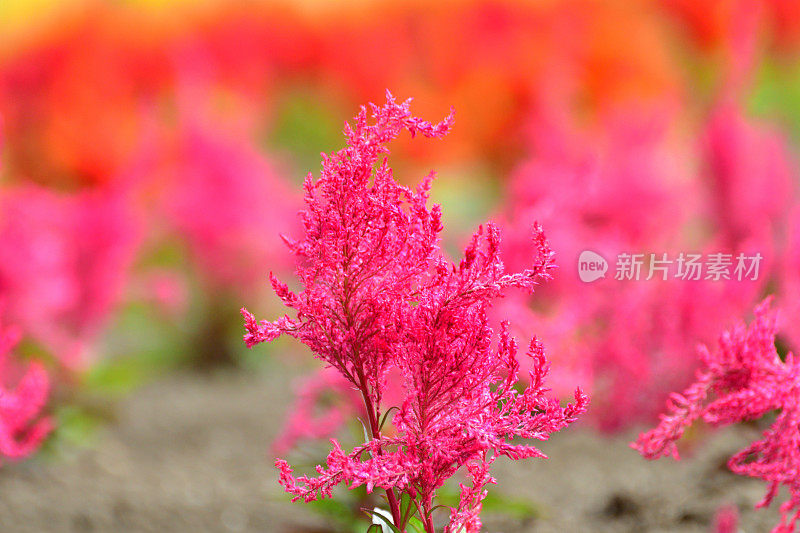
777,93
496,503
305,122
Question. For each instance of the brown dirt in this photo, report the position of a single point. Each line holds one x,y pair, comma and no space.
189,453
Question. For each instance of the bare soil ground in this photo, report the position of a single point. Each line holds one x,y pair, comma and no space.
189,453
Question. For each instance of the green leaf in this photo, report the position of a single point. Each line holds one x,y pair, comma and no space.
120,376
515,507
495,503
776,94
76,426
306,123
385,520
386,416
416,524
367,437
333,508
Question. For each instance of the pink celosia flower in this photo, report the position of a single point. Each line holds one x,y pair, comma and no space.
744,379
612,187
609,189
221,188
323,402
726,520
63,263
21,428
789,288
377,294
219,185
750,174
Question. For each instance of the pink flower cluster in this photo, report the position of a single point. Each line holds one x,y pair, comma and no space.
378,295
744,379
218,184
726,520
323,402
22,429
621,184
64,259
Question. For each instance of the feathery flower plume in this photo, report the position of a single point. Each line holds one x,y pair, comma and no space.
744,379
379,295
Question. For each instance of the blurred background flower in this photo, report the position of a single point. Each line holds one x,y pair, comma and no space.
153,151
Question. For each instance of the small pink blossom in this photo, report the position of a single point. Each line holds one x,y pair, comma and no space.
322,405
217,191
726,520
744,379
22,429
